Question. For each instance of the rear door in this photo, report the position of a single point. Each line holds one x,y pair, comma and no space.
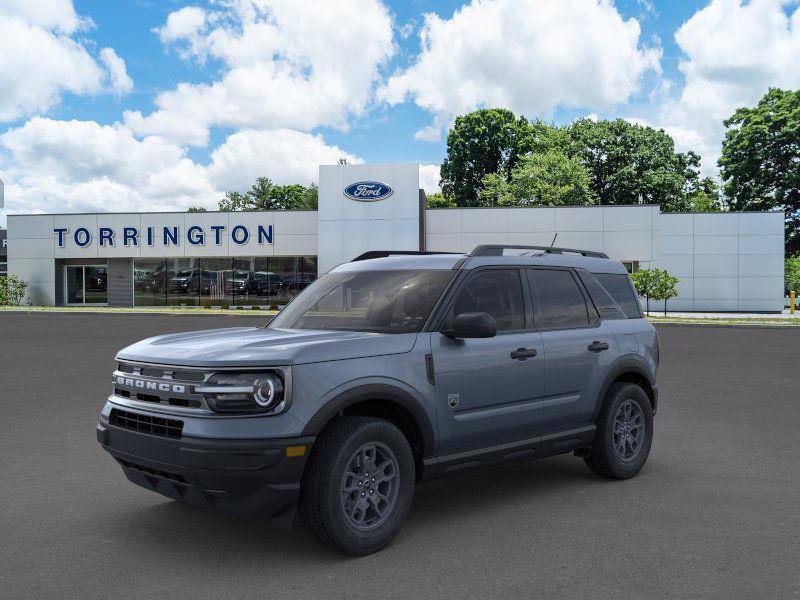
578,348
487,389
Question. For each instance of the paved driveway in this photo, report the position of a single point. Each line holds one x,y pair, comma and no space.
715,514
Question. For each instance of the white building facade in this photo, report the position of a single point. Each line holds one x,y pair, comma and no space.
725,261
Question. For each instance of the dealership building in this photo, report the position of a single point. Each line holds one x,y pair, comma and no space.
724,261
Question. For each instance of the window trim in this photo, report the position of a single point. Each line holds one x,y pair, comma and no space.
450,295
534,289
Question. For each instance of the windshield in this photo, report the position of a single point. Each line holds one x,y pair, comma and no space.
376,301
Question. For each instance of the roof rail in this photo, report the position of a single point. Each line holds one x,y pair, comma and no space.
497,250
370,254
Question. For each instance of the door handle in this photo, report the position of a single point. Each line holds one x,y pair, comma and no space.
523,353
596,346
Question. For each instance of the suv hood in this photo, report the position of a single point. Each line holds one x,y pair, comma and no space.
257,346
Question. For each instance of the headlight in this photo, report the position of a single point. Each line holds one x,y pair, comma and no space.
244,392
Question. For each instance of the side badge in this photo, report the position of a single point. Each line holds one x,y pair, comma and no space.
452,400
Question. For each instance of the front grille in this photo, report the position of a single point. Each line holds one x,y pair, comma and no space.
157,472
171,428
165,386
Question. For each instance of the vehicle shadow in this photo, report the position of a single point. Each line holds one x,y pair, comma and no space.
189,533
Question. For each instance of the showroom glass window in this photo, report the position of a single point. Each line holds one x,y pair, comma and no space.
221,281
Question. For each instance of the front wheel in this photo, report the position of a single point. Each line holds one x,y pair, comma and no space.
358,485
624,433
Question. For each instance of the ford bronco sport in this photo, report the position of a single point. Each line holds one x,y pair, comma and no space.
389,370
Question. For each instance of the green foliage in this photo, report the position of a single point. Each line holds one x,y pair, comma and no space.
265,195
657,284
624,162
791,277
439,200
485,141
495,190
12,290
548,179
706,196
627,161
760,158
312,198
197,209
288,197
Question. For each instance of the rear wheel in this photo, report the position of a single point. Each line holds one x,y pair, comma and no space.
624,433
358,486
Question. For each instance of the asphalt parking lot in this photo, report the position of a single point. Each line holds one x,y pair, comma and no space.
715,513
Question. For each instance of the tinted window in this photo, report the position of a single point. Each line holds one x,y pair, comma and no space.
605,304
376,301
560,300
621,290
497,292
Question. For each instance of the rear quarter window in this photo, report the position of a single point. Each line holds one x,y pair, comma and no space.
620,288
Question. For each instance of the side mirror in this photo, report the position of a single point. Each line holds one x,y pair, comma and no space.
472,325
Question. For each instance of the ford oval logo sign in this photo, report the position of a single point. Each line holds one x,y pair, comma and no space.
368,191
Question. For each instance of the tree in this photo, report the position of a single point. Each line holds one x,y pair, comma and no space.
312,197
288,197
234,201
260,195
760,158
627,161
548,179
657,284
265,195
495,190
197,209
646,281
482,142
12,290
439,200
791,277
706,196
666,287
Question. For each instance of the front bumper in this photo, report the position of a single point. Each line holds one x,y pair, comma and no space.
238,477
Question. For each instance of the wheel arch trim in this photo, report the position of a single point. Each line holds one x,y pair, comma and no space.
375,392
622,366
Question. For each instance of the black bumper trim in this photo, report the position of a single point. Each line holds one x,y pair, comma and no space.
238,477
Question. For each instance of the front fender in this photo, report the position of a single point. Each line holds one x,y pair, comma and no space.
394,391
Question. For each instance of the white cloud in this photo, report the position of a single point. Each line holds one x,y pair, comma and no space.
429,178
283,155
81,166
41,58
121,83
184,24
286,63
528,55
58,15
734,51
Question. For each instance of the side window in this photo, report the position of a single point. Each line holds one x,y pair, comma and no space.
605,304
497,292
621,290
560,299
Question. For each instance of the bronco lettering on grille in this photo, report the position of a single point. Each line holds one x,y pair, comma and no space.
143,384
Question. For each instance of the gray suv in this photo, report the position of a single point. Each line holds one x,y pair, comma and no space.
387,371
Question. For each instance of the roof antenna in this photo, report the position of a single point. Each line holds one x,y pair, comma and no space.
554,239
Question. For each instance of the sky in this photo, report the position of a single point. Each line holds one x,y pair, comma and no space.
138,105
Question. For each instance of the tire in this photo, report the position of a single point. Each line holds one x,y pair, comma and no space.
622,457
331,505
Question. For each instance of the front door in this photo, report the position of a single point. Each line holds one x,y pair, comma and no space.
86,284
484,395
